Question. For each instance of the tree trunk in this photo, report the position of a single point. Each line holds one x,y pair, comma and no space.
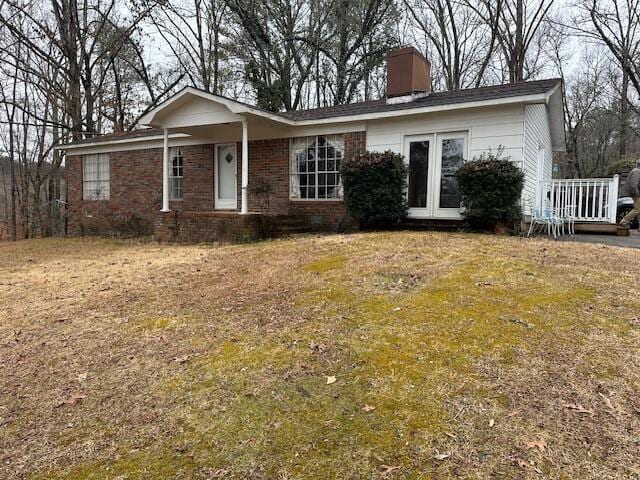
624,114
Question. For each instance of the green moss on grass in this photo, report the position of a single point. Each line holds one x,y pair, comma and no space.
132,465
325,264
156,323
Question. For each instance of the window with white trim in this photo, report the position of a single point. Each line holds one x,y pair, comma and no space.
95,177
176,186
315,167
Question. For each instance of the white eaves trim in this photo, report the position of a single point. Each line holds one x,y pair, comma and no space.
142,138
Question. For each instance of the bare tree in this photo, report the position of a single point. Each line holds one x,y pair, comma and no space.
462,36
521,29
354,42
272,42
82,40
194,33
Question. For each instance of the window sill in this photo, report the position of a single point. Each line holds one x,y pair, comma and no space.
323,200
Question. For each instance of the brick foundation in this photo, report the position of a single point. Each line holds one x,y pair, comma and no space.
136,195
194,227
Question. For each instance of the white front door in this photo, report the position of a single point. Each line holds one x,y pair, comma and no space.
433,160
224,176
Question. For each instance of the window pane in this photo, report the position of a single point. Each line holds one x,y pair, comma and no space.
452,160
331,165
95,177
418,172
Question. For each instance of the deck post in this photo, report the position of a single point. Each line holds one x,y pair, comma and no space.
165,172
245,168
613,199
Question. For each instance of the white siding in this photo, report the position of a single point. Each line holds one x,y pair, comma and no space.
537,137
489,128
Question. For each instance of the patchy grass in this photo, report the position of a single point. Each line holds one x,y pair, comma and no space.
453,355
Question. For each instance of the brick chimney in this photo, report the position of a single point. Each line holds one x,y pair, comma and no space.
408,75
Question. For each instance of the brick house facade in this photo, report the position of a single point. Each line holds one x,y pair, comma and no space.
436,132
135,196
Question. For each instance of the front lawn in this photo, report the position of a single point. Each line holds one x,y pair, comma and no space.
384,355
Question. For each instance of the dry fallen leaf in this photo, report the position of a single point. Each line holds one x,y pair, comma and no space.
368,408
331,380
607,402
579,408
540,444
387,470
72,400
441,456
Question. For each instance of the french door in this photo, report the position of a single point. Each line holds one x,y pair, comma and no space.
433,161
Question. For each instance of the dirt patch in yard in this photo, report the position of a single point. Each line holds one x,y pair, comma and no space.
385,355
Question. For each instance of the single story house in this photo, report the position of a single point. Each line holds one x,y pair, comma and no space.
211,168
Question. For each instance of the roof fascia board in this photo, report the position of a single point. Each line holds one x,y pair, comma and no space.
151,143
143,138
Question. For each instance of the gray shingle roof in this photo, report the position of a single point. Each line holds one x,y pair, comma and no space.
435,99
494,92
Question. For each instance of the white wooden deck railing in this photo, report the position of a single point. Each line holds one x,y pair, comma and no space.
591,199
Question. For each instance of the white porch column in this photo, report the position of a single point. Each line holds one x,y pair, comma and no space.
245,168
165,172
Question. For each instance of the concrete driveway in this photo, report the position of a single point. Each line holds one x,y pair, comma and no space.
632,241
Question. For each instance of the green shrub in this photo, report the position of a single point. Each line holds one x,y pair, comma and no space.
374,188
491,189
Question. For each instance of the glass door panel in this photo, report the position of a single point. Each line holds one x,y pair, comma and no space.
418,174
452,159
451,152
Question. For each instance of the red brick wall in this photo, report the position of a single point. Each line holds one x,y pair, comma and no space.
195,227
136,188
269,163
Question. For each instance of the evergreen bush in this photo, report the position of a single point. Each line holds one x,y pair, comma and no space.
374,188
491,189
